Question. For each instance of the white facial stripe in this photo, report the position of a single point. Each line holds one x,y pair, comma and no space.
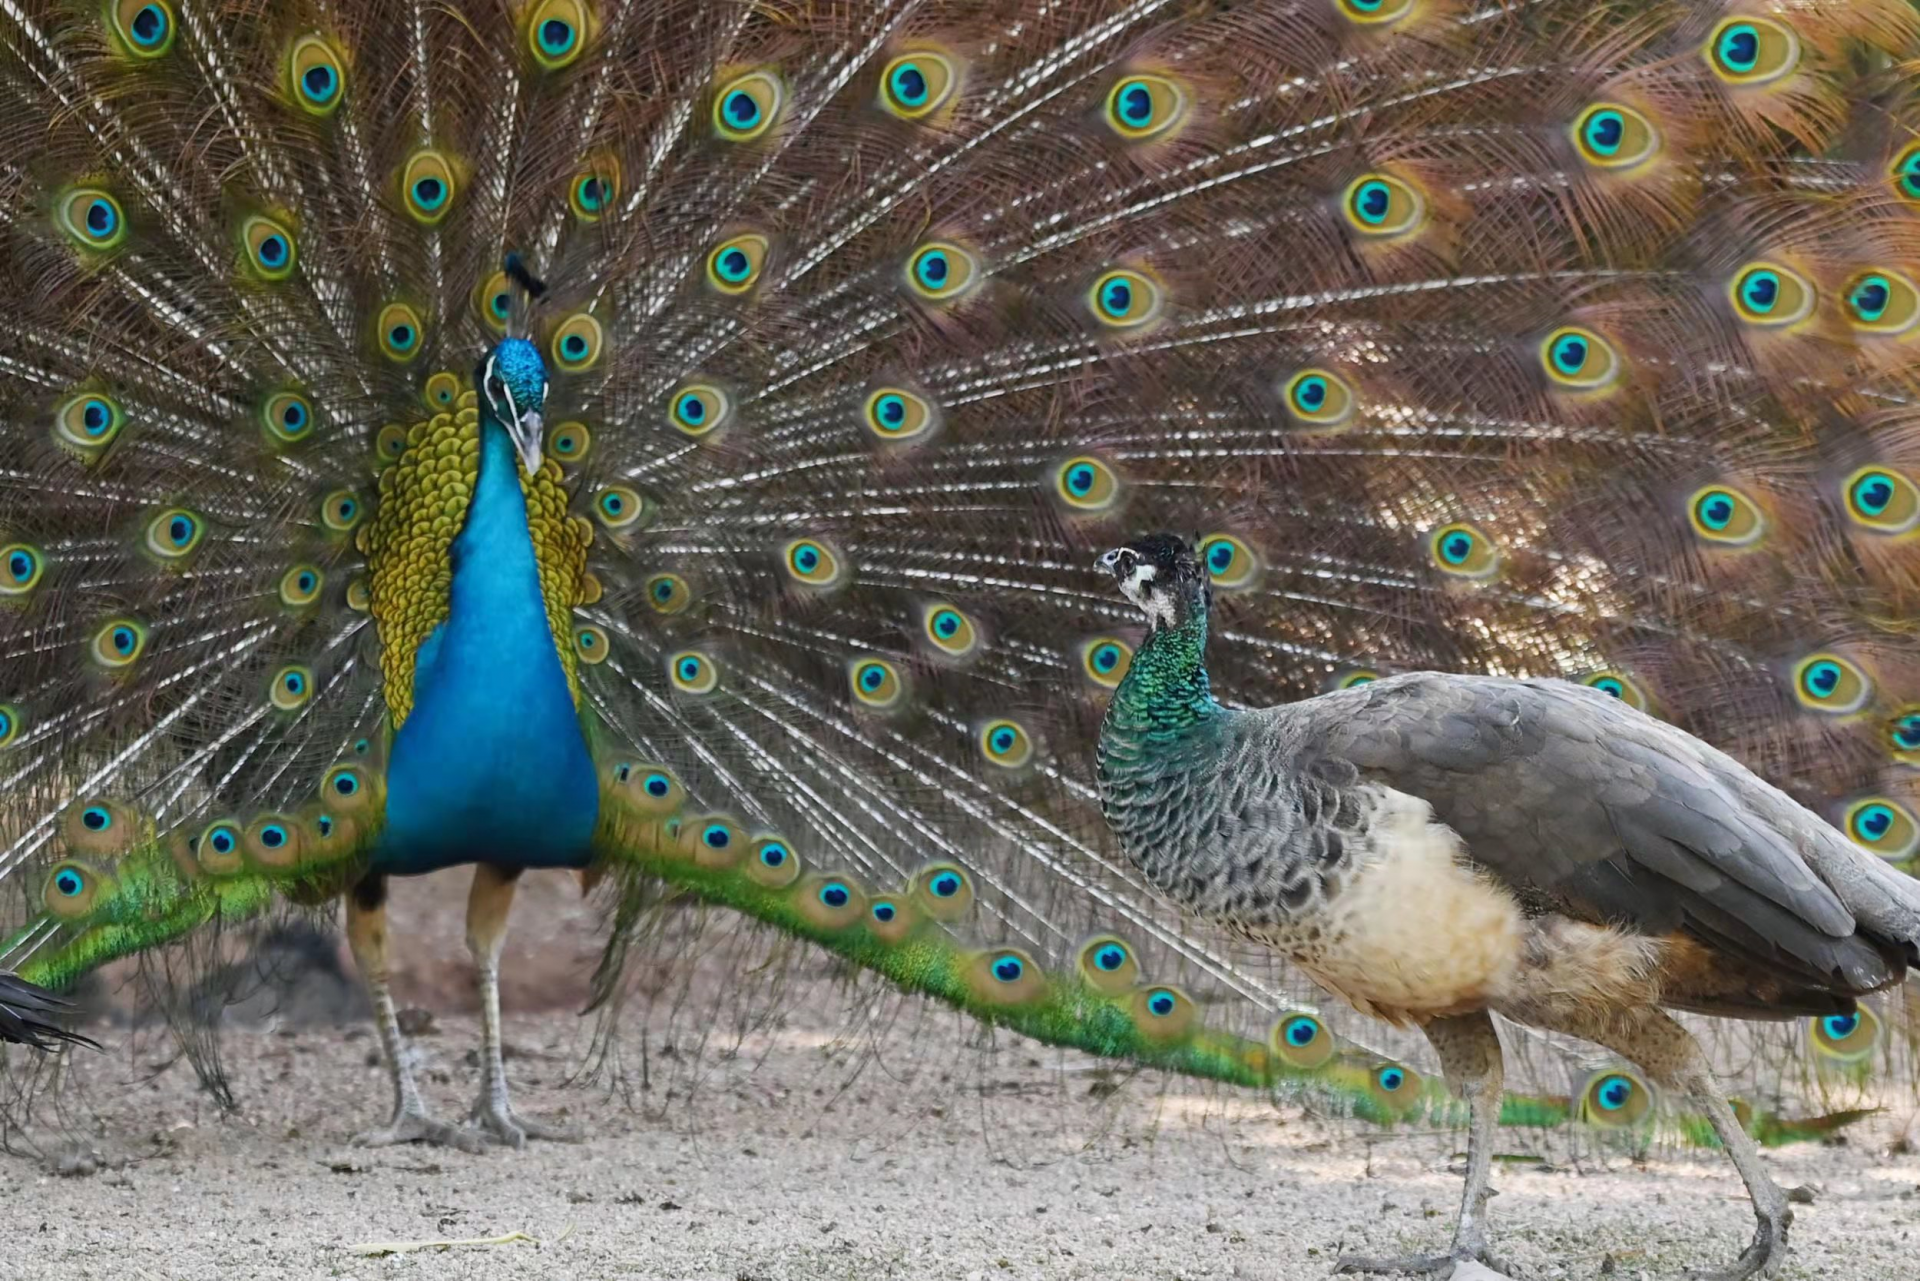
1138,588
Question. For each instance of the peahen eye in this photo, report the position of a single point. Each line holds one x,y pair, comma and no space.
915,85
1144,107
1882,500
1749,51
1722,514
1827,682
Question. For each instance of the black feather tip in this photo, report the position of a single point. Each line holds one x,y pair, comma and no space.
517,272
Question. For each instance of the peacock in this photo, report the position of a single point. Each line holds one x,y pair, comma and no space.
671,442
31,1015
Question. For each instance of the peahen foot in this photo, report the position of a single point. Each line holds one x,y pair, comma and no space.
409,1126
506,1126
1763,1257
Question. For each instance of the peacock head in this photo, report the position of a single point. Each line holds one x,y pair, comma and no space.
1160,574
513,379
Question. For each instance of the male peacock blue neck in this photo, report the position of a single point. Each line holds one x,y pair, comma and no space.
492,765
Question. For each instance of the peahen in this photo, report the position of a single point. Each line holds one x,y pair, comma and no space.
672,440
1527,847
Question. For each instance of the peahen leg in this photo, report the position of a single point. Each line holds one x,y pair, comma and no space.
367,935
1469,1050
487,907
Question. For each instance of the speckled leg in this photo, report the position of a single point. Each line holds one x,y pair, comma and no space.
487,907
367,935
1469,1050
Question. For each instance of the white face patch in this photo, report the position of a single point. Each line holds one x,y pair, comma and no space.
1138,588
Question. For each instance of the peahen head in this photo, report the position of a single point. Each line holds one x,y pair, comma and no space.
513,382
1160,574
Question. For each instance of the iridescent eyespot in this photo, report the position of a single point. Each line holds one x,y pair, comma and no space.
287,418
13,723
941,271
1162,1013
1722,514
1610,136
1579,359
668,593
493,302
895,414
1317,398
1617,1099
359,595
1086,484
812,562
773,863
949,631
1826,682
735,265
1379,205
830,902
748,105
300,586
590,644
1005,977
218,848
1768,295
1748,51
1006,744
1108,965
316,76
942,891
1462,549
1884,827
693,672
1143,107
118,643
428,186
1372,13
144,28
875,682
577,343
1353,678
1903,735
1230,563
340,511
1845,1038
274,842
1905,172
87,424
1618,685
1104,660
915,85
92,218
1882,500
270,247
388,444
557,33
699,409
175,534
73,888
399,332
620,507
1125,300
441,389
569,442
595,189
834,894
347,787
1882,303
21,568
1394,1087
1301,1041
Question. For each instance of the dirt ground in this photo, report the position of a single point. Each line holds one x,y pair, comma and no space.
822,1152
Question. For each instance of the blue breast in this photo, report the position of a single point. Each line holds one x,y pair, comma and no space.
491,766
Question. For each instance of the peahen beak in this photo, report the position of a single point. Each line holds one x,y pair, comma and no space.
528,430
1112,560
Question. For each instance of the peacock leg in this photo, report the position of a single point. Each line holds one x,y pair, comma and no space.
367,935
1469,1050
487,907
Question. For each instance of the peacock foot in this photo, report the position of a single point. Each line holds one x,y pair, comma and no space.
418,1127
1438,1266
507,1126
1763,1257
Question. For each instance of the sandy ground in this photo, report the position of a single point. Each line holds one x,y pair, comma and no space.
829,1153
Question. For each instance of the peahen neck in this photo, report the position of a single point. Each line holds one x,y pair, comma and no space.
491,765
1165,691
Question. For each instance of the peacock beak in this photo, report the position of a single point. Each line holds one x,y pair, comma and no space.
528,431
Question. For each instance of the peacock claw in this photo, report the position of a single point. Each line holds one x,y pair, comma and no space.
509,1128
418,1127
1438,1266
1763,1257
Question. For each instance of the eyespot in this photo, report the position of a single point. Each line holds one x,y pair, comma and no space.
1882,303
388,444
316,76
569,442
699,409
949,631
773,863
1905,172
1845,1038
650,788
876,683
1617,1099
621,507
693,672
1371,13
577,343
399,331
144,28
590,645
735,266
895,414
890,920
1579,359
1462,549
1767,295
1230,563
1163,1013
557,33
941,271
1108,965
1143,107
1884,827
1379,205
1749,51
748,105
73,889
87,424
812,562
1826,682
1903,735
273,841
21,568
1006,976
362,747
1319,398
915,85
217,848
595,189
92,218
1086,484
351,789
942,891
13,723
118,643
1354,678
1006,744
1611,136
287,418
300,586
668,593
428,186
1722,514
1882,500
341,510
1104,660
359,598
1615,684
1300,1041
175,534
441,389
493,302
830,902
1125,300
271,249
1395,1088
102,828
